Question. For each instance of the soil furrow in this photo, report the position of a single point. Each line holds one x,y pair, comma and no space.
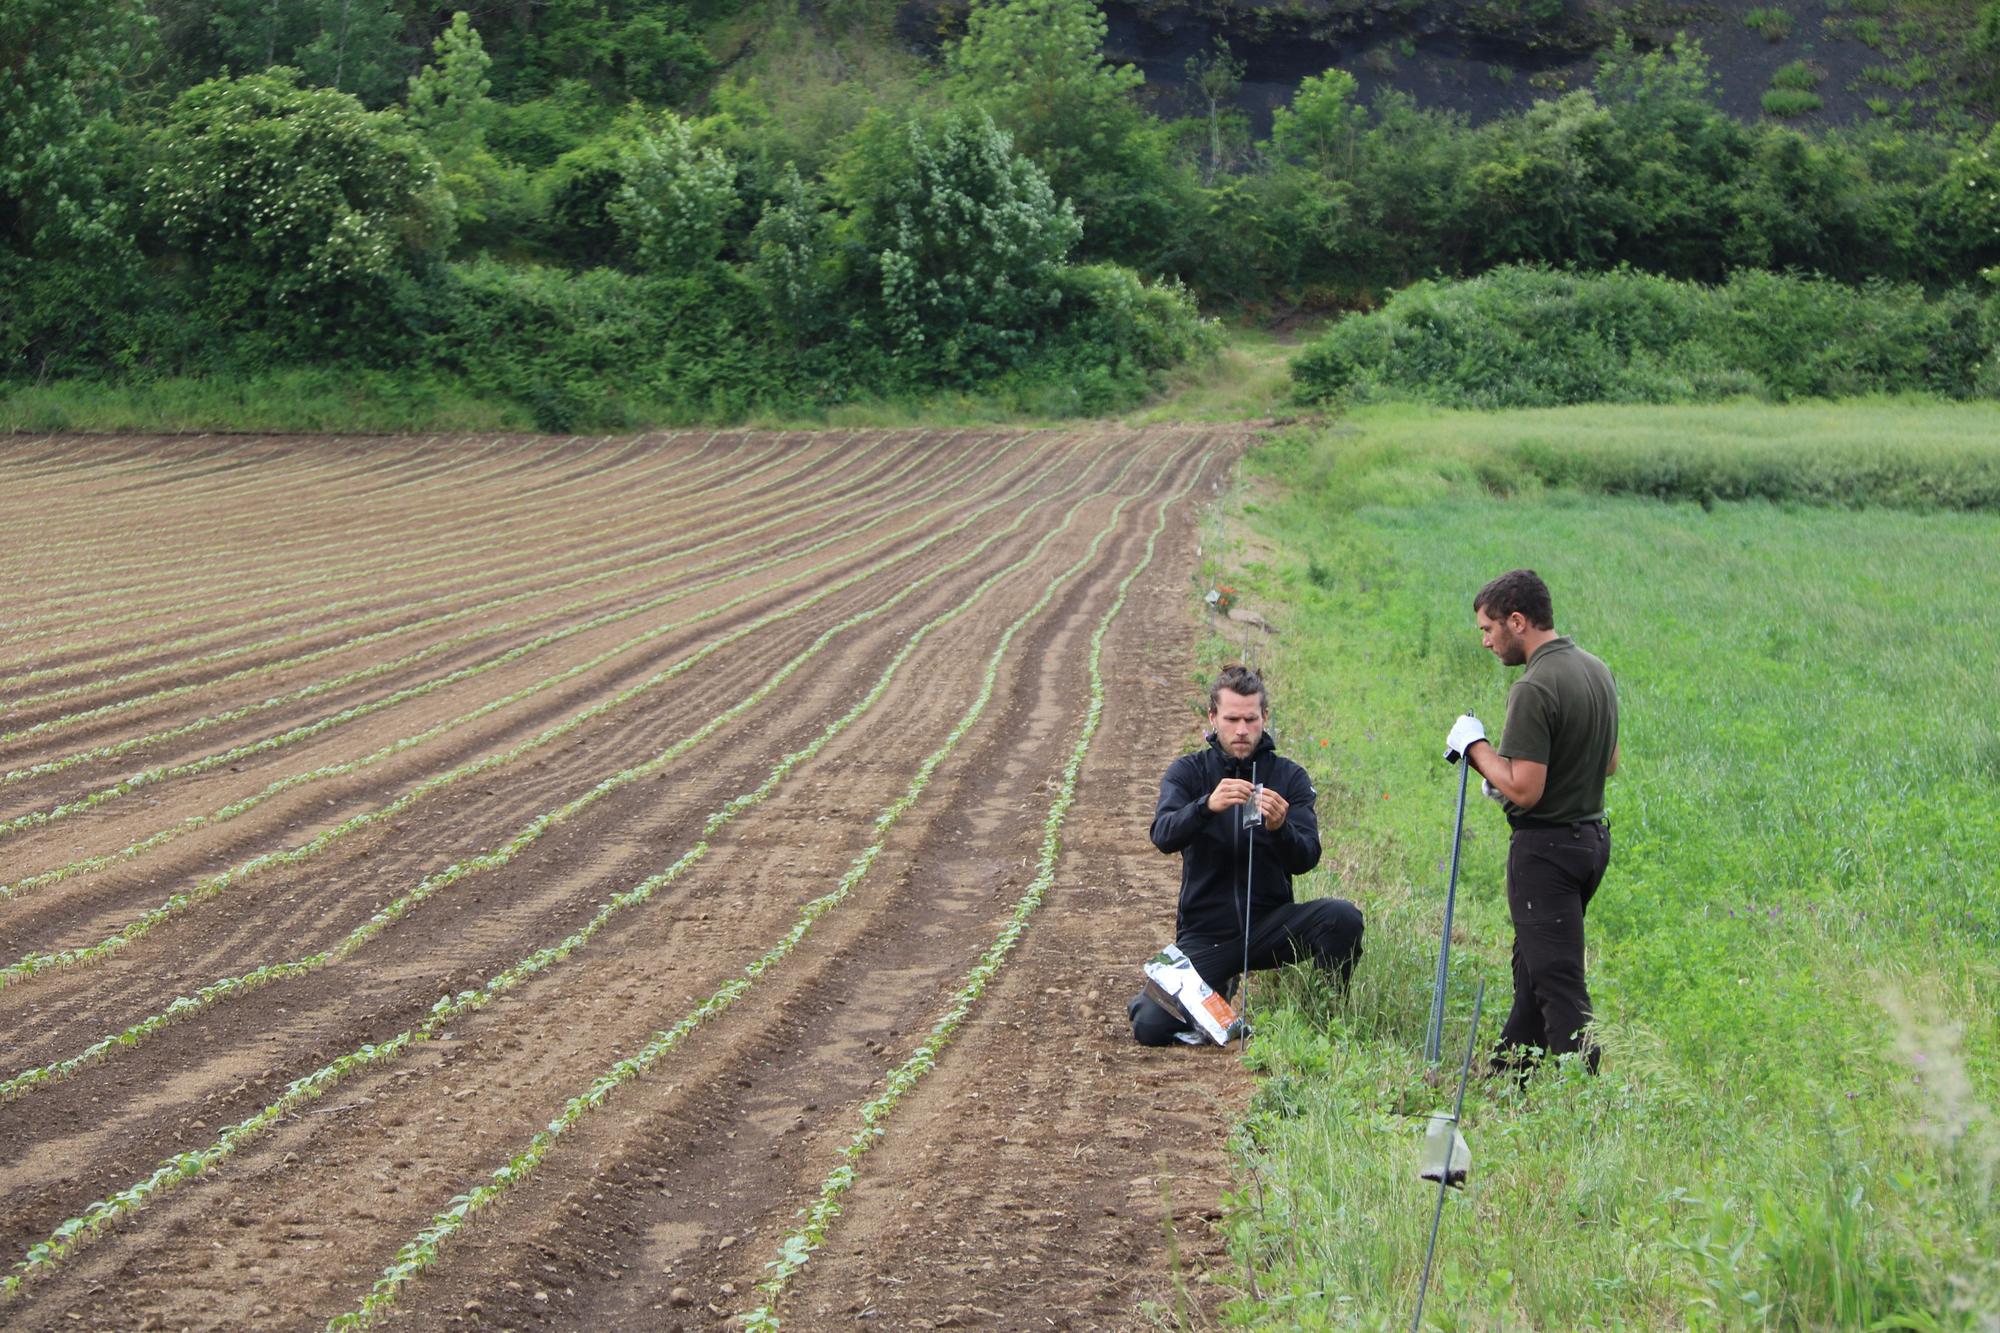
739,1120
429,524
575,748
662,558
430,536
862,522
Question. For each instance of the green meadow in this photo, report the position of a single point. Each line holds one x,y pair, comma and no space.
1796,954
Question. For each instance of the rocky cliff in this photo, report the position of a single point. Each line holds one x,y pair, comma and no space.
1856,58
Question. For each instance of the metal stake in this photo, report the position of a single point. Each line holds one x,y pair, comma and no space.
1434,1033
1249,888
1444,1176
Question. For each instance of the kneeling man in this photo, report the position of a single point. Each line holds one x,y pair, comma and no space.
1201,816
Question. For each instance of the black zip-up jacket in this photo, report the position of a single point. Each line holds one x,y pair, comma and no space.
1211,845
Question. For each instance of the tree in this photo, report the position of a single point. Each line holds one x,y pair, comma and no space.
294,205
450,109
1039,65
1216,74
63,63
1321,126
1544,183
968,243
676,199
253,35
359,49
789,258
448,99
643,49
1683,156
354,46
1037,68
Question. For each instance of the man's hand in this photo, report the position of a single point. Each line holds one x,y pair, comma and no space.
1463,734
1489,791
1235,791
1228,792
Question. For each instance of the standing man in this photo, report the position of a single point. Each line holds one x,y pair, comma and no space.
1203,801
1559,745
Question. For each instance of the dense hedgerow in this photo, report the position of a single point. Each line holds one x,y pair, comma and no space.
1531,337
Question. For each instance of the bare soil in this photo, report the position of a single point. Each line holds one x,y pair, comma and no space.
254,691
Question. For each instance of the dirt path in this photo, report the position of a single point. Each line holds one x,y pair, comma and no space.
700,770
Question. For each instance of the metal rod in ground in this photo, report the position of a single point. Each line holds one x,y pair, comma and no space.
1249,890
1444,1175
1434,1034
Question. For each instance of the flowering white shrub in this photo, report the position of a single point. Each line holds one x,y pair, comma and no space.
676,200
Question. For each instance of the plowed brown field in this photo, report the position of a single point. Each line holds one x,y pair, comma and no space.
521,882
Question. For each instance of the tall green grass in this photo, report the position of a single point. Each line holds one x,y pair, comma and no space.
351,401
1900,453
1793,956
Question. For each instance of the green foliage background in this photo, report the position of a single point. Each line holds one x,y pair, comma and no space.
863,236
1526,337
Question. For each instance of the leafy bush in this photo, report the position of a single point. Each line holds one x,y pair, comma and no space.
1527,337
966,241
790,257
299,212
1773,24
65,62
578,224
1116,337
1799,76
676,199
1038,68
451,111
1968,200
606,349
538,131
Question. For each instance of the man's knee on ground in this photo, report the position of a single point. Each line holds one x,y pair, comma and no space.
1337,929
1153,1025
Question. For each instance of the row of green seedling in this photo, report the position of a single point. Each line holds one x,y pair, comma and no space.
34,964
327,570
620,575
232,987
519,538
297,485
147,777
611,566
105,1213
216,590
797,1247
422,1251
323,485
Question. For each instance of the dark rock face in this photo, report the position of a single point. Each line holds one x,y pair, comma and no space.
1482,58
1478,56
1467,57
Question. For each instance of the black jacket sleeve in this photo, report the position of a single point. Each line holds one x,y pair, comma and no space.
1298,840
1183,807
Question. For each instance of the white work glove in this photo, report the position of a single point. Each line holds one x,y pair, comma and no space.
1489,791
1463,733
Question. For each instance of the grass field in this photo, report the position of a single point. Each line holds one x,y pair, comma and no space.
1248,378
1796,952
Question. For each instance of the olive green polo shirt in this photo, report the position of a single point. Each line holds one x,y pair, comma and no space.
1563,712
